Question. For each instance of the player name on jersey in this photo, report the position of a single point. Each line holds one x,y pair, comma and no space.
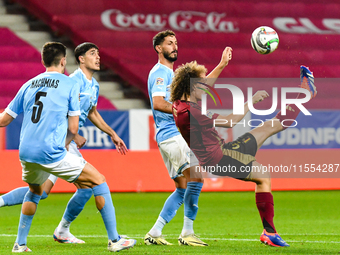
45,82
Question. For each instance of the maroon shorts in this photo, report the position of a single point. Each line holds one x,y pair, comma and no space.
237,157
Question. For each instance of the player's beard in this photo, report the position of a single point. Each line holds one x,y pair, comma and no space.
168,57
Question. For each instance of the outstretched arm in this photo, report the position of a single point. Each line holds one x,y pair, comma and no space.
97,120
232,119
5,119
214,74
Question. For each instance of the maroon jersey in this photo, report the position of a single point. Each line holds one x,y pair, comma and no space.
198,131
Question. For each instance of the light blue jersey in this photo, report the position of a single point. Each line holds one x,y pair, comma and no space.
46,101
89,91
160,78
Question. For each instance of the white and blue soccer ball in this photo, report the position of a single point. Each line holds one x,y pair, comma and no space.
264,40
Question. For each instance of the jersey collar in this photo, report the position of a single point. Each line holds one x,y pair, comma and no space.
91,81
165,66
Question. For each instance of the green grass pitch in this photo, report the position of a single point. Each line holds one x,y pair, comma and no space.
228,221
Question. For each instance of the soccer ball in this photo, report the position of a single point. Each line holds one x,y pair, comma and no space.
264,40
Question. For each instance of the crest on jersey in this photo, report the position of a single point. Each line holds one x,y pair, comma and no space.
209,114
159,81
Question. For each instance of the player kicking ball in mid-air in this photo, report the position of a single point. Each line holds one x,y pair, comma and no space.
51,108
87,56
173,148
211,150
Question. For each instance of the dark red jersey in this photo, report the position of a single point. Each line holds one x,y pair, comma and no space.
198,131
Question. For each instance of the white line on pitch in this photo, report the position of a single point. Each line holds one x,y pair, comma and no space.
209,238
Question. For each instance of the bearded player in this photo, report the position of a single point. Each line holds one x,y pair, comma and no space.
173,148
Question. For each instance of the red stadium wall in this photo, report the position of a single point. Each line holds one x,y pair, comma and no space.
308,32
145,171
20,62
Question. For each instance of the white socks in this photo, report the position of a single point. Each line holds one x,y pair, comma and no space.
156,230
188,227
64,228
2,203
